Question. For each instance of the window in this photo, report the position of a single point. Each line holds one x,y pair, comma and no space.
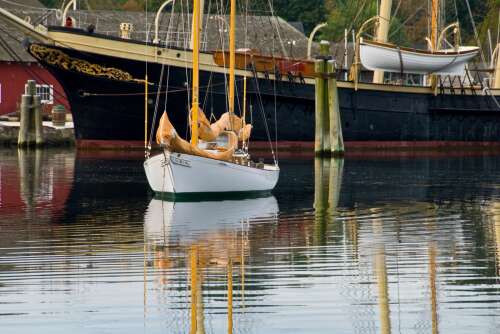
46,92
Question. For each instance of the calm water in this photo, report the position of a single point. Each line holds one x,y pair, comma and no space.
364,245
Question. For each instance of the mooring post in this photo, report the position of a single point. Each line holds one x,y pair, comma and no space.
336,137
31,127
322,133
26,129
22,139
37,110
319,68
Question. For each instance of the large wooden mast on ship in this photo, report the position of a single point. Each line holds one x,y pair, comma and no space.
434,38
383,33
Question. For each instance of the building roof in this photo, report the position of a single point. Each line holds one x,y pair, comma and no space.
269,35
256,32
13,50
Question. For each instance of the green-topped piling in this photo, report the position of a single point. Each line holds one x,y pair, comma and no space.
328,132
336,137
321,139
319,68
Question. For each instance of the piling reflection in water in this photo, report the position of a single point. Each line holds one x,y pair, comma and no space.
379,245
35,184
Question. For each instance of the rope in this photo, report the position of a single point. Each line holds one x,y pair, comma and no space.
261,105
17,58
155,114
407,20
486,91
157,103
475,31
278,26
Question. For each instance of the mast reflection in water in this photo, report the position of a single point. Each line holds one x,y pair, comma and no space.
386,244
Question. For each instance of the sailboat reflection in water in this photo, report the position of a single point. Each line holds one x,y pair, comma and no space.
210,240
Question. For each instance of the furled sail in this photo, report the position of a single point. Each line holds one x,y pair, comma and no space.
168,137
210,131
392,58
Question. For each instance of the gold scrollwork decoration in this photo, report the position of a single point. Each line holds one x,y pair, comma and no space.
58,58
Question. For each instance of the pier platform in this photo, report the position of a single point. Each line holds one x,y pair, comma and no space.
54,135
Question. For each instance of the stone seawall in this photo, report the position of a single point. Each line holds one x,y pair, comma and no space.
54,136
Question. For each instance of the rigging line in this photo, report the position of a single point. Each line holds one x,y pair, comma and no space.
178,90
396,12
222,27
277,26
478,41
186,47
407,20
166,92
263,113
169,25
487,91
146,79
205,30
153,125
360,10
275,115
157,103
18,58
42,17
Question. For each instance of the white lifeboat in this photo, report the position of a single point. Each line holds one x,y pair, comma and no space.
391,58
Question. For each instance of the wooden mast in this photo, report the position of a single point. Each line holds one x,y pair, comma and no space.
232,57
383,33
434,24
434,38
196,74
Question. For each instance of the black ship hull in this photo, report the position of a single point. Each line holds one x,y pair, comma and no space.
107,109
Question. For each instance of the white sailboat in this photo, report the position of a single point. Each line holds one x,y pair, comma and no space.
212,162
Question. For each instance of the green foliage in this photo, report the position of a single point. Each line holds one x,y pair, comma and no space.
310,13
479,9
51,3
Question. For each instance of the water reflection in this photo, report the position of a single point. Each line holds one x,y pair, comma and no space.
34,183
209,241
388,244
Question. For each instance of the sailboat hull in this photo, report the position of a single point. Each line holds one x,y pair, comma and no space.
184,175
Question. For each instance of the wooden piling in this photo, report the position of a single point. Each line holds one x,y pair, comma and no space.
319,68
335,128
31,127
38,120
328,133
23,138
322,133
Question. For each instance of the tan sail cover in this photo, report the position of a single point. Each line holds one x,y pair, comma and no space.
210,132
167,136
